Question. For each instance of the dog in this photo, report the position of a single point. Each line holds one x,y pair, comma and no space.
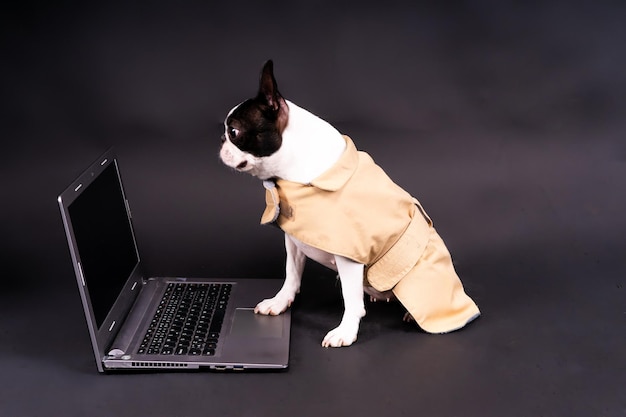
298,156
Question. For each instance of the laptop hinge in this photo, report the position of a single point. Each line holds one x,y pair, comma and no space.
124,337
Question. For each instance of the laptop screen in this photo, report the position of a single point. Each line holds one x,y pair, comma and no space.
104,239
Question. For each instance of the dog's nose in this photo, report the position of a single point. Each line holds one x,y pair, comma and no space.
242,165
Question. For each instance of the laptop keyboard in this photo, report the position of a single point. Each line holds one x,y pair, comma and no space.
188,320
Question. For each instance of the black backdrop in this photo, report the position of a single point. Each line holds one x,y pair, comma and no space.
506,121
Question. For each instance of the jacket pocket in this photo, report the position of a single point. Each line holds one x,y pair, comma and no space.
388,270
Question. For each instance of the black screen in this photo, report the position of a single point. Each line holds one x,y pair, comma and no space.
104,237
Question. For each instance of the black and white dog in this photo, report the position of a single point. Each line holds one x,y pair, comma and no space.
274,139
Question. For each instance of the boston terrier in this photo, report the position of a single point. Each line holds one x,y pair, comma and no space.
297,154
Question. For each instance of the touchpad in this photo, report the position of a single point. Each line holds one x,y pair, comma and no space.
249,324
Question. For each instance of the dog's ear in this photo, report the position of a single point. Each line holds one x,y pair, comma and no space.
268,93
268,88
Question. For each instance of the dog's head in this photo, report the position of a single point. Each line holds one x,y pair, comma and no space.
253,129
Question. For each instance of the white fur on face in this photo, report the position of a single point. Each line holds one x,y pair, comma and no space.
261,167
235,157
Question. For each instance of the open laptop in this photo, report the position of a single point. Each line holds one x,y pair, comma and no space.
144,323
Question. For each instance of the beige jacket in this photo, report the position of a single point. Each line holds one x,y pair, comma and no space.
355,210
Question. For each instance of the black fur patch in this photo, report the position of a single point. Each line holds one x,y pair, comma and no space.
252,127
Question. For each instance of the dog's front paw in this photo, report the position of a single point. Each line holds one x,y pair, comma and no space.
273,306
344,335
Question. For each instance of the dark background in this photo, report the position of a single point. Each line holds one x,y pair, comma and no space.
506,120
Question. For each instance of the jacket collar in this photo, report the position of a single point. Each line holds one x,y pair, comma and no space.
338,175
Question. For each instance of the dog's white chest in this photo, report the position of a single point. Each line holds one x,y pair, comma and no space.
318,255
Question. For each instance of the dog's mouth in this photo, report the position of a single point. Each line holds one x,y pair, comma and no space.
245,166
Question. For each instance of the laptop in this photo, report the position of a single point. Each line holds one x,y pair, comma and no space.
156,323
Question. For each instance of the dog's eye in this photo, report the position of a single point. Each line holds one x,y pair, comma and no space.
232,132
